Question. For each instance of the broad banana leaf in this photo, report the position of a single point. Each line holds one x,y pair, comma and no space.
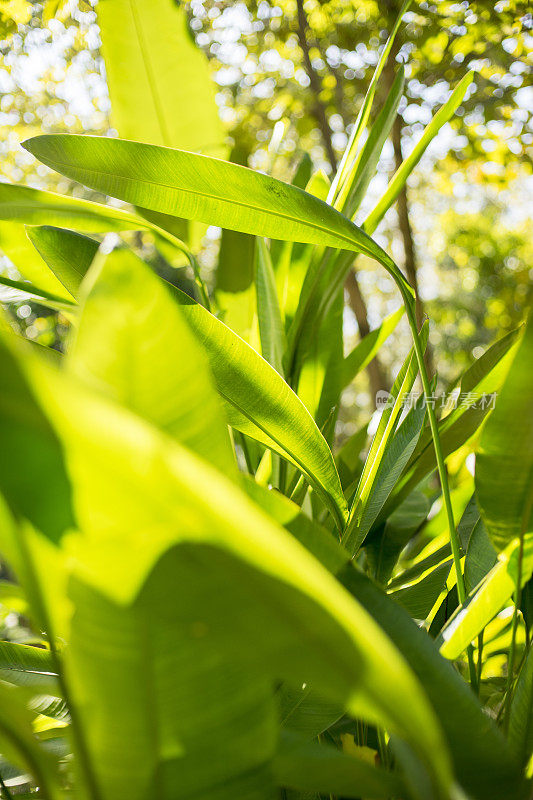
133,344
172,592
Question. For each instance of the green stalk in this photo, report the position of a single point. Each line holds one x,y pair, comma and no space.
203,294
383,749
479,660
512,650
441,467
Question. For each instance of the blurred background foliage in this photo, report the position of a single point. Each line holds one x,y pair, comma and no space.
290,76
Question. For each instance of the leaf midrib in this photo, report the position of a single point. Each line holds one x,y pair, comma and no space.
150,73
240,203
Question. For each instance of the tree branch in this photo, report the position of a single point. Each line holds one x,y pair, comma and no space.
314,81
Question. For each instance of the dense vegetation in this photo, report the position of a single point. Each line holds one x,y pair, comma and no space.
219,580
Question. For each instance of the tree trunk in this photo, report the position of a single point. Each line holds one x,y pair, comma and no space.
375,371
404,223
314,82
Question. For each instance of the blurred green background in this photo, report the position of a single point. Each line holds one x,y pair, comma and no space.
290,77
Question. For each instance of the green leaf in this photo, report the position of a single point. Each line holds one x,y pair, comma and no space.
160,87
12,597
484,376
480,556
366,163
271,328
202,188
399,178
157,370
260,404
16,246
420,598
420,566
504,461
20,204
396,455
31,451
35,293
23,658
69,255
303,712
467,523
303,765
499,585
314,537
343,179
23,665
191,581
36,207
19,744
521,719
319,380
385,546
417,779
483,764
388,453
363,353
235,292
349,460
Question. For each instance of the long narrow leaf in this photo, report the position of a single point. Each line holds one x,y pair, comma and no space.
197,187
271,328
69,255
521,720
42,296
367,161
490,597
260,403
383,439
504,463
399,178
342,178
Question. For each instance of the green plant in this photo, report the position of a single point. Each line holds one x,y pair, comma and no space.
228,605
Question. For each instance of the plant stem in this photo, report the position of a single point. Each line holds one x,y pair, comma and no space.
383,749
203,294
75,722
512,650
479,660
441,468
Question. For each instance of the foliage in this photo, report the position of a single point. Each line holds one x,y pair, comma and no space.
490,38
486,263
221,602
